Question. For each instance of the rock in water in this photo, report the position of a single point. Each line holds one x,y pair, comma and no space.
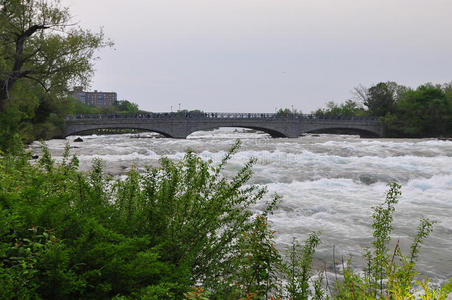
78,140
368,179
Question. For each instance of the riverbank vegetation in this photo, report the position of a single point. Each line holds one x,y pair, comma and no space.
42,55
179,231
46,119
422,112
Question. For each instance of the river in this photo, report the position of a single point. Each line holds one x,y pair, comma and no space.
328,183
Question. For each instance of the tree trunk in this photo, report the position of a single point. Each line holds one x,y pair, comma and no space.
16,72
3,95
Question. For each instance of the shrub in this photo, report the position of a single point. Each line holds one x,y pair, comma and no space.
389,274
153,233
69,235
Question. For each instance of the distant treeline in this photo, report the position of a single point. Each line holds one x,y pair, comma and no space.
44,119
422,112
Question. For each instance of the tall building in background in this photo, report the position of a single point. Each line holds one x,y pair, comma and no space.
94,98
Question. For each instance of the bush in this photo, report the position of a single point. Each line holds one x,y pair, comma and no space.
156,235
90,236
388,274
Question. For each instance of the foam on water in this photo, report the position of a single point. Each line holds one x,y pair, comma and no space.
329,183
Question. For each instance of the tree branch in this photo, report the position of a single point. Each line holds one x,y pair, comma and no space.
30,31
42,84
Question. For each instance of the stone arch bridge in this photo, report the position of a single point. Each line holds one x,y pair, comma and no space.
180,125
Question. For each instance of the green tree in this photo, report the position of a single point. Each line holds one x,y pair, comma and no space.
348,108
284,112
42,53
126,106
426,111
382,98
39,44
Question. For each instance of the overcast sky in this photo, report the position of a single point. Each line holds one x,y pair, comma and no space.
256,55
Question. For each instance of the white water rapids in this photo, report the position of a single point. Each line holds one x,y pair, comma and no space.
328,183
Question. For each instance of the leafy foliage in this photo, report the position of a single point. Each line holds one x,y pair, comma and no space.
41,46
298,269
158,234
382,98
388,275
348,108
422,112
155,233
41,55
285,112
426,111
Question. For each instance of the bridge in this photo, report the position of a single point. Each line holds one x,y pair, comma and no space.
180,124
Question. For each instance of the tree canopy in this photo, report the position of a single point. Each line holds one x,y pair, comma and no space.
422,112
125,105
40,44
348,108
42,54
382,97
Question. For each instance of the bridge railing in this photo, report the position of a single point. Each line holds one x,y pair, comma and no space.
217,116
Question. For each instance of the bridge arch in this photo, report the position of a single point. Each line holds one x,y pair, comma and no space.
272,132
76,129
362,132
